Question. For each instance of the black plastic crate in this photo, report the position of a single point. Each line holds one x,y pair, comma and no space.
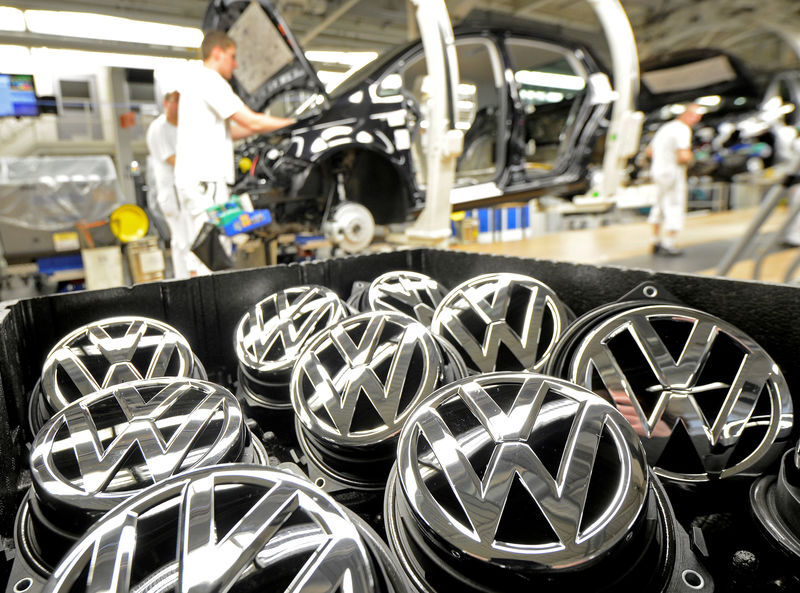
206,310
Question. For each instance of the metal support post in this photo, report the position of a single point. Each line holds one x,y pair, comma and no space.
769,202
445,142
622,138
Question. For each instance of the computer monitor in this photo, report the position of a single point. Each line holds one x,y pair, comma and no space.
17,95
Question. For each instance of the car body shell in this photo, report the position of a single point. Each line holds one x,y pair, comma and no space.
357,142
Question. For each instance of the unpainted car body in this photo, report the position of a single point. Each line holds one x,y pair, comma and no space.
526,104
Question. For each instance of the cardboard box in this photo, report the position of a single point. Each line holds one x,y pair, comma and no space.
103,267
146,260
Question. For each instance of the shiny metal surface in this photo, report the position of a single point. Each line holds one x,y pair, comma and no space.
218,529
669,370
412,293
107,446
350,225
501,322
463,449
386,360
271,335
113,351
775,504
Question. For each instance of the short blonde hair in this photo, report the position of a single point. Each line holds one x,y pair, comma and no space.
214,39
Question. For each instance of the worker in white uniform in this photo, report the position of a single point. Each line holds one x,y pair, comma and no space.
671,152
162,136
787,153
210,117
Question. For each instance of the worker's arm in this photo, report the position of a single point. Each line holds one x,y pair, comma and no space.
238,132
249,122
171,160
685,156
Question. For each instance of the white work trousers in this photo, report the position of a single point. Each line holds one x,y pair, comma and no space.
672,193
195,198
167,201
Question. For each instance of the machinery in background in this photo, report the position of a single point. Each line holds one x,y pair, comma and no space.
357,152
741,130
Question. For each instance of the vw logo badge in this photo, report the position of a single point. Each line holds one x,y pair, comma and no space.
110,352
270,337
354,386
107,446
521,468
693,386
412,293
104,447
502,322
387,361
227,528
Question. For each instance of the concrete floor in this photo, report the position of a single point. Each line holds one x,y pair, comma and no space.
705,240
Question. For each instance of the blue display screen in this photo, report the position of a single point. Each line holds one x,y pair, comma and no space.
17,95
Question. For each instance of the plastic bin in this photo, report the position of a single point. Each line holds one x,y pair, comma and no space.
207,309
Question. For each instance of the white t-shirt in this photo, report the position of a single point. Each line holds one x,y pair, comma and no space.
162,138
667,141
205,147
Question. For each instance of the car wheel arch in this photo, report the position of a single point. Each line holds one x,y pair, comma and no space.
372,178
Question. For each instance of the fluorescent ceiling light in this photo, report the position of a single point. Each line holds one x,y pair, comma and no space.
550,80
346,58
17,55
97,26
11,19
68,60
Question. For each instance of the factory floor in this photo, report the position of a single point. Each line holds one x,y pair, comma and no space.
704,241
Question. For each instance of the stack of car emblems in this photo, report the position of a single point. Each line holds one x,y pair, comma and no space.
775,503
105,353
502,322
229,528
518,481
270,337
412,293
107,446
353,387
708,402
500,444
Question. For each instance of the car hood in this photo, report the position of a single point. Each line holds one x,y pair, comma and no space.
686,75
270,59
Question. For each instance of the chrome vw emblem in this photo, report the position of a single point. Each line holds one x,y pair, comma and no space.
114,351
207,530
270,336
669,369
501,321
411,293
575,461
102,448
386,359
